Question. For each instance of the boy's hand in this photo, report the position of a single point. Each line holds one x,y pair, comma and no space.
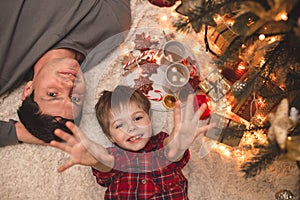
185,129
80,148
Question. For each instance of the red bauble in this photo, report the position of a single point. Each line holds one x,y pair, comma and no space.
163,3
200,99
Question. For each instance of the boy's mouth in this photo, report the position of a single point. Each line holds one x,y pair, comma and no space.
135,138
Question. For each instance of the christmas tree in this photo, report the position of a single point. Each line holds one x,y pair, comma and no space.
255,45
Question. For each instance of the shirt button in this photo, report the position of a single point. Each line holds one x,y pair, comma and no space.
144,181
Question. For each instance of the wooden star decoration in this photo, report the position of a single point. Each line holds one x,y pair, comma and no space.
143,84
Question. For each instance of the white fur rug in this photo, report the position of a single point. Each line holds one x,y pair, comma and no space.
29,171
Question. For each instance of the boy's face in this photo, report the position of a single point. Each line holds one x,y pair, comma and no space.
130,127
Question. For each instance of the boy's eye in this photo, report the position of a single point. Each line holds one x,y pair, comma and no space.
119,126
52,94
138,118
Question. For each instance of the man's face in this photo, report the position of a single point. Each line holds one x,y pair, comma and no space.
59,88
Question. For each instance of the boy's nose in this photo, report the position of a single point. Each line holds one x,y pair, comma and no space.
131,127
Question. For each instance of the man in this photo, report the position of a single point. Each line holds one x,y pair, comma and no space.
44,42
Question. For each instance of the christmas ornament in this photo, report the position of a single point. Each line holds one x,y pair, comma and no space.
169,101
146,55
157,98
163,3
144,84
142,42
281,123
284,195
202,99
148,68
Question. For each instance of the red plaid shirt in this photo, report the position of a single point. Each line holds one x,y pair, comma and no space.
146,174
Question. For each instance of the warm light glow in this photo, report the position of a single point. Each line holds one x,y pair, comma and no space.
261,37
260,102
230,22
282,16
260,117
273,39
262,62
164,18
241,66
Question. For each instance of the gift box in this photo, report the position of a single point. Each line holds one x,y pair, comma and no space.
226,131
249,108
222,37
215,85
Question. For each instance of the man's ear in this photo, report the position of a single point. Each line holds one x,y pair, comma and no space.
27,90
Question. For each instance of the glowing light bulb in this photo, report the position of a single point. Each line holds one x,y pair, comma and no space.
273,39
282,16
261,37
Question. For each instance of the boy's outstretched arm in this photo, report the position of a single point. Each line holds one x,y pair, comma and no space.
185,129
82,150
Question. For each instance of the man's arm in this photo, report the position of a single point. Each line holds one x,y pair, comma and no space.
8,134
13,132
24,136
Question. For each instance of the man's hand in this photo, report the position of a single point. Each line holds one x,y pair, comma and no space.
82,150
185,129
24,136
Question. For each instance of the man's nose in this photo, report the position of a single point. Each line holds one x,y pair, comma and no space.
68,83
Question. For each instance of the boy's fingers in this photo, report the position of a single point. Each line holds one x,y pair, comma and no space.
59,145
73,128
205,128
65,137
189,110
177,113
199,112
67,165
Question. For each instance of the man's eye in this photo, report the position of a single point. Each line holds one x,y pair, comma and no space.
51,94
75,99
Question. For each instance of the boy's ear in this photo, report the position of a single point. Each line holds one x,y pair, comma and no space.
27,90
110,138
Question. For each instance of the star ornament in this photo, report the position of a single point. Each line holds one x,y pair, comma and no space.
144,84
281,123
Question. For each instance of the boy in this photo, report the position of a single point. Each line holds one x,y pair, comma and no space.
140,165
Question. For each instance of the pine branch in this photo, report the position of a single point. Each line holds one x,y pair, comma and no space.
262,160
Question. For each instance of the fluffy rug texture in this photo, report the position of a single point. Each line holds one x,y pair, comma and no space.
30,171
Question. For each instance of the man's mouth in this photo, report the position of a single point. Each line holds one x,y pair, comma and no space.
135,138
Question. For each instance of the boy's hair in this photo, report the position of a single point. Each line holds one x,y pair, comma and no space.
111,100
41,125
